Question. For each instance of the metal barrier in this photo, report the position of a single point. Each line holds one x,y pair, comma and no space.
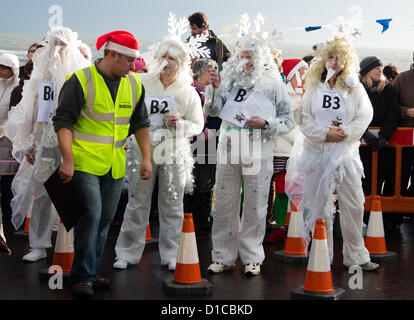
403,137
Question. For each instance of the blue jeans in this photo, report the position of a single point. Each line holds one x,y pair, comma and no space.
100,196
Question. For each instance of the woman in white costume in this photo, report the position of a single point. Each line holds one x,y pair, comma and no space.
175,113
35,142
335,113
244,152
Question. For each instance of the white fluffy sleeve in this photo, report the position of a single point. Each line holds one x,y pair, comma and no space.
362,116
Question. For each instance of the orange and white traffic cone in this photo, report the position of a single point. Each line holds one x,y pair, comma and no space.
148,233
150,242
318,282
64,251
295,250
375,236
187,277
25,231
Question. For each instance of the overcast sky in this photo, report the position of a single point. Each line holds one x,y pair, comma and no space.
148,18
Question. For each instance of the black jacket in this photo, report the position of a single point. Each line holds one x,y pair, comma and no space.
386,110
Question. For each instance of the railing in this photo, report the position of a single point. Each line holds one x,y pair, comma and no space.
402,138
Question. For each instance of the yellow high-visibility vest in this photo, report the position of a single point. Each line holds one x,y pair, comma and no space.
100,133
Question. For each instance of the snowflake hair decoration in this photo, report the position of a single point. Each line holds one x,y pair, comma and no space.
259,38
342,28
262,29
182,52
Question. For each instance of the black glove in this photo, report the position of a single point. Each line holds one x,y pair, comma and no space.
370,139
381,143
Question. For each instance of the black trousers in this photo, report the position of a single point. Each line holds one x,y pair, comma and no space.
199,202
407,172
6,194
386,171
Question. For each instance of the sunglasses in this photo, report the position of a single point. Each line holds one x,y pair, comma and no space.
31,51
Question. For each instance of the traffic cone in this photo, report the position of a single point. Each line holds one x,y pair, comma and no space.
295,250
148,233
375,237
318,282
25,231
150,242
187,277
64,252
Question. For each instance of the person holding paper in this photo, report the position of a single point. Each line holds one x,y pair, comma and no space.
324,164
35,144
254,105
99,107
176,114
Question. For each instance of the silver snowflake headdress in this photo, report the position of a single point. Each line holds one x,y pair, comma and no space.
193,48
262,32
349,28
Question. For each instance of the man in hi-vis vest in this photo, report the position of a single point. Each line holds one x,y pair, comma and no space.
99,107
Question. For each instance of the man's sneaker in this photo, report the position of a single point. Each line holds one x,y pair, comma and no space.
252,268
35,255
217,267
120,264
83,290
101,282
369,266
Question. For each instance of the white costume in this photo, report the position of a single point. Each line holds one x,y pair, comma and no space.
318,168
245,155
59,57
172,162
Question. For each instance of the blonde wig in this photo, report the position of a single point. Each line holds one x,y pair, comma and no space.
277,54
367,81
347,61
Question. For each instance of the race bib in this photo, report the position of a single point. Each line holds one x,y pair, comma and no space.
45,101
159,108
231,111
330,109
242,104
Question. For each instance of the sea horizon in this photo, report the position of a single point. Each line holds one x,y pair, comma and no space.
18,43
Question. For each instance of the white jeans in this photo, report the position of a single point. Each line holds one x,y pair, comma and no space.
131,240
227,244
351,205
42,220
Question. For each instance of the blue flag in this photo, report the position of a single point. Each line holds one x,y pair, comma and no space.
307,29
385,24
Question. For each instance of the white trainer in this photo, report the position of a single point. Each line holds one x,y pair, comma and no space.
252,268
217,267
35,255
120,264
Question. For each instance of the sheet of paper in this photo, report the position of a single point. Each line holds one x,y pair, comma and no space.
159,108
242,104
45,102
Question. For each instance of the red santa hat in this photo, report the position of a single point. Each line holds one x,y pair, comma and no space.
291,66
122,42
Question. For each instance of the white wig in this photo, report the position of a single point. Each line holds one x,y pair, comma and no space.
178,53
263,62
